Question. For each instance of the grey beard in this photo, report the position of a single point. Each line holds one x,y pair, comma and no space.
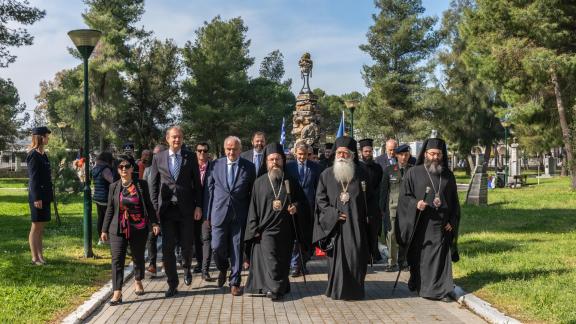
433,167
276,174
344,170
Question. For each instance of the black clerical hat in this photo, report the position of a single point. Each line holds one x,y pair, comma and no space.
328,146
346,141
435,143
366,142
402,148
271,149
42,130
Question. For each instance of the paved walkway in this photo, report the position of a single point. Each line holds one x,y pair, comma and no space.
204,302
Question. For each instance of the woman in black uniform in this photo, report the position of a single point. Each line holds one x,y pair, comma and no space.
129,216
39,191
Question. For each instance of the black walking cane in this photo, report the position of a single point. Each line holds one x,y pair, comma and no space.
410,239
363,184
298,241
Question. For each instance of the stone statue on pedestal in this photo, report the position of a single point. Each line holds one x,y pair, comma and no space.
306,118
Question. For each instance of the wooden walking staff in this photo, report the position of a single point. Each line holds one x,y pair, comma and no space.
298,241
363,184
410,239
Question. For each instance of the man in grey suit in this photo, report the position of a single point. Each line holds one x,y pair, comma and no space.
227,198
177,197
255,154
387,157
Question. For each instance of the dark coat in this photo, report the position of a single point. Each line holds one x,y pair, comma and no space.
249,155
221,201
40,178
111,218
187,187
311,177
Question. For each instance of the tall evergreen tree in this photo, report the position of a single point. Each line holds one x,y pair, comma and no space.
20,12
399,41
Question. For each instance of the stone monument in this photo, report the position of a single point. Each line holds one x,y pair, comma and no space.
478,189
549,166
514,164
306,118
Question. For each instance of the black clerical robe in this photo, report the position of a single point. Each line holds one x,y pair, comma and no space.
348,260
375,174
272,234
432,249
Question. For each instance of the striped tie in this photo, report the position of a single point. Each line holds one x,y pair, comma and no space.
175,166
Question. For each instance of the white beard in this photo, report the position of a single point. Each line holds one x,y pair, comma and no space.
344,170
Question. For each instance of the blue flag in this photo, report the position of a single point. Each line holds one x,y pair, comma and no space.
282,134
342,127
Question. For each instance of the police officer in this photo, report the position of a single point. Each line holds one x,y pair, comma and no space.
390,191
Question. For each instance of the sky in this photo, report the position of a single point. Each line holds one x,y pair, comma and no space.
330,30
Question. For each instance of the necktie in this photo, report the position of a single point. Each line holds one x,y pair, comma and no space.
175,166
402,172
257,161
231,174
301,172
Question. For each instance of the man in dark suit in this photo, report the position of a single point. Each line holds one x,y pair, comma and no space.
202,228
177,197
308,175
387,157
255,154
227,198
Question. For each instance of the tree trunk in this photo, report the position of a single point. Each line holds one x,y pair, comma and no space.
471,165
487,153
564,126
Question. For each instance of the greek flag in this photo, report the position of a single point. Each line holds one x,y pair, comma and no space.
342,127
282,133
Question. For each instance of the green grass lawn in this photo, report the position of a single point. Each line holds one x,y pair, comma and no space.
44,293
518,253
13,183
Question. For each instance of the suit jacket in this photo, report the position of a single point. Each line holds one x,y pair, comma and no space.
220,201
186,187
382,160
40,178
311,177
112,216
249,155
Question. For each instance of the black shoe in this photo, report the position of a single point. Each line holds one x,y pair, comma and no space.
446,299
171,292
411,286
273,296
221,278
206,277
187,277
391,268
197,270
115,302
296,273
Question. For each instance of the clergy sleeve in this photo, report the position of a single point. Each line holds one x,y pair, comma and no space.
406,211
253,220
326,214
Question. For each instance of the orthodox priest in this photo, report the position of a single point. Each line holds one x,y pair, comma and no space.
346,209
279,214
428,223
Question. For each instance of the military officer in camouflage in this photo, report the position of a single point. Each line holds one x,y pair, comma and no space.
389,194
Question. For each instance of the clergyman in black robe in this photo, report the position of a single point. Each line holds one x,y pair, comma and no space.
275,219
345,211
433,246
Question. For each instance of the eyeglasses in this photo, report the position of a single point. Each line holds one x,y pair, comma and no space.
433,154
124,166
202,151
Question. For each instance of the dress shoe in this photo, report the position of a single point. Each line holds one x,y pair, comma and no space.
152,269
411,286
197,270
296,273
273,296
115,302
236,291
139,292
206,277
221,278
446,299
171,292
188,277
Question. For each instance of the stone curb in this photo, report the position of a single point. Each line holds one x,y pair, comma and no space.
481,307
98,298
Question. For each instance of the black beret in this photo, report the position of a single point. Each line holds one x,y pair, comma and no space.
42,130
366,142
402,148
128,146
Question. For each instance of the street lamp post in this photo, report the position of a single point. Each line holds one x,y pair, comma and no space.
85,41
61,126
351,104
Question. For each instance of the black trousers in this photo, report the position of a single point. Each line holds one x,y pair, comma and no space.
152,247
206,246
176,228
118,246
198,246
101,211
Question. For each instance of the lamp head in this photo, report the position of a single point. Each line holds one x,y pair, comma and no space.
85,40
